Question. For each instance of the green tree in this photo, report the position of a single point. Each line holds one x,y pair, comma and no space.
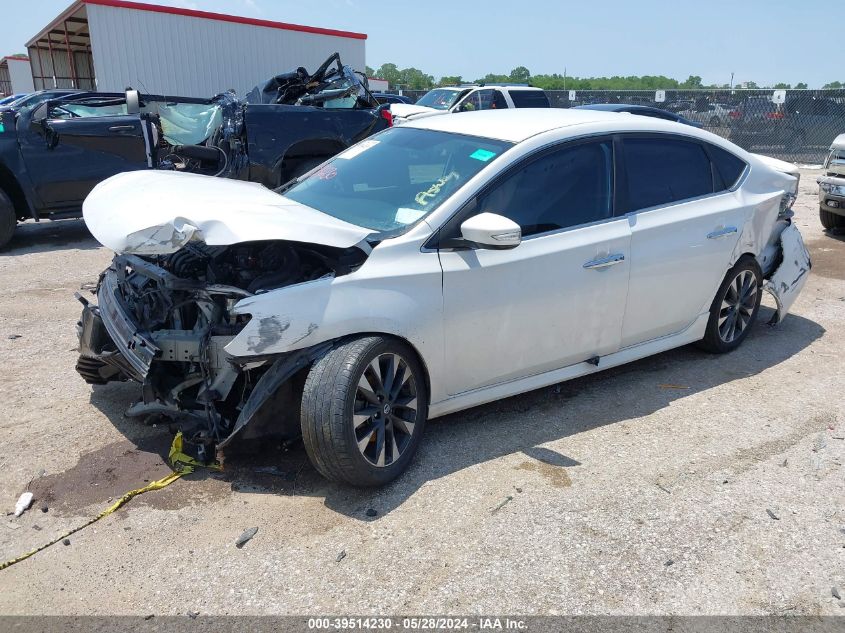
693,82
389,72
369,72
415,79
800,86
520,75
834,85
781,86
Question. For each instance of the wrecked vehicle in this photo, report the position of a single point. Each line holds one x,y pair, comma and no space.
54,152
436,266
832,187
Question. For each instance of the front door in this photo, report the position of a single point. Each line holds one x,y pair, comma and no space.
556,299
67,155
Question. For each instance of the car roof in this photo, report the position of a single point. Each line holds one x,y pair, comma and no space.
618,107
518,124
838,142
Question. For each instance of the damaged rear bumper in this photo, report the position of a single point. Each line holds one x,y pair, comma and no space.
786,282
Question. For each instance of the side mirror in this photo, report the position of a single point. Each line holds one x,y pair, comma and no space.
491,231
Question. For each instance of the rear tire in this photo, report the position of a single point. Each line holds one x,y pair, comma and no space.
364,408
8,219
735,307
831,221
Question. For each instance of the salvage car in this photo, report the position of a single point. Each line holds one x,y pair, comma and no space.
436,266
832,187
469,98
53,151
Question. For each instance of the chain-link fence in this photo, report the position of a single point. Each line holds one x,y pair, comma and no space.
795,125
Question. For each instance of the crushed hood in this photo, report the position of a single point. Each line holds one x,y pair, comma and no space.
158,212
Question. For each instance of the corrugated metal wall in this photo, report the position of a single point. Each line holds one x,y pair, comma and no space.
178,55
45,76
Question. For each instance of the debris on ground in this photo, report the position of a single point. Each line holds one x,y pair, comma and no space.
66,541
340,556
772,514
193,614
247,535
371,512
287,475
44,508
671,386
504,502
834,591
24,501
12,337
669,563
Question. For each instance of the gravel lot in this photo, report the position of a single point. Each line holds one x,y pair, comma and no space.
684,483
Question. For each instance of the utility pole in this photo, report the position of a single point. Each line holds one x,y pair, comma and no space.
732,81
564,77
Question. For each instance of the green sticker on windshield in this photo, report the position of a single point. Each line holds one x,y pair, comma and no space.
2,127
482,154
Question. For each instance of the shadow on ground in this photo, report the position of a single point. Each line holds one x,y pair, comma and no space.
50,235
519,424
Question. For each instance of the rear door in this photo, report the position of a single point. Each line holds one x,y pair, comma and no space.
685,222
69,150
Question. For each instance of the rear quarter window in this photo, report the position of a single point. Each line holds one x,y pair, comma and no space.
728,167
529,98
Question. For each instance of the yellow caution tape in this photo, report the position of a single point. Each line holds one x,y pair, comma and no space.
184,464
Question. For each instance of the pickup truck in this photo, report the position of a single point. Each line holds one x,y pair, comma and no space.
54,153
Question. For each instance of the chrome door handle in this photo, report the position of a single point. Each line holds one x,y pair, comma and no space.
604,262
723,232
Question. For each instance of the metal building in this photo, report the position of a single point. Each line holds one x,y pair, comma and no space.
15,75
107,45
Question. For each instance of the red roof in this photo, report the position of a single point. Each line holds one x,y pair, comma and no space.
237,19
17,58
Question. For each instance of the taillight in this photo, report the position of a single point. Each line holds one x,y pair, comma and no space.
387,115
774,115
734,114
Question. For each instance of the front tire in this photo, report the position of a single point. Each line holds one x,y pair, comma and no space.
8,219
364,408
831,221
735,307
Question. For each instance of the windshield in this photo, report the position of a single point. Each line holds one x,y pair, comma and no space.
391,181
439,99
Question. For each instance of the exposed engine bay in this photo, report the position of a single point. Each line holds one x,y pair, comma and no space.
174,314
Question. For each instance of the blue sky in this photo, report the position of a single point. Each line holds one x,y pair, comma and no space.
763,41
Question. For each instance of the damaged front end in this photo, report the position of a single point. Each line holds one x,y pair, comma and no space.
165,320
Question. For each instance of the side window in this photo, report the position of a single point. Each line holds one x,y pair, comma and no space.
663,171
499,102
728,167
471,102
486,99
564,188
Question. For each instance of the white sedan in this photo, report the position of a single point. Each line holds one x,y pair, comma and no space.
433,267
